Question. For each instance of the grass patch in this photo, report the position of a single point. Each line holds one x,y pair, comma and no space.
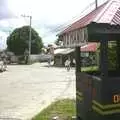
65,109
91,68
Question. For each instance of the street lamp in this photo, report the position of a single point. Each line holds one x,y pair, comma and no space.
29,47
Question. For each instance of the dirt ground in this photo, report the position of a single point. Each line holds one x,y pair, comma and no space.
26,89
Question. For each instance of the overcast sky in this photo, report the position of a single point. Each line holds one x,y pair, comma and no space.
47,15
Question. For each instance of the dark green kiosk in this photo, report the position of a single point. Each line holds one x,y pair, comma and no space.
97,92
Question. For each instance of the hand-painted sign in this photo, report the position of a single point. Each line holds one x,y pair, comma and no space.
116,98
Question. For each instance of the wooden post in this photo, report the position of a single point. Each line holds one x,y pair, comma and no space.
78,70
77,58
104,58
118,55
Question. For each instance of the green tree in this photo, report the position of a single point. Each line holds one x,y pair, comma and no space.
18,41
58,42
113,55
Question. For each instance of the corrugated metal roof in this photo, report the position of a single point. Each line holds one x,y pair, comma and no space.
109,12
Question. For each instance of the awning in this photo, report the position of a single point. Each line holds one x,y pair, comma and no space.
90,47
63,51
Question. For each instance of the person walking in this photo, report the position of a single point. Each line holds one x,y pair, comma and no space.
67,64
49,62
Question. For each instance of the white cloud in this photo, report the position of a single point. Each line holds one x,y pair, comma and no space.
50,11
45,13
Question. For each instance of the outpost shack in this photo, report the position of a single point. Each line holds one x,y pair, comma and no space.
98,91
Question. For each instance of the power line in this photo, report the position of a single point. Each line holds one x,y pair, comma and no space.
69,22
66,24
77,16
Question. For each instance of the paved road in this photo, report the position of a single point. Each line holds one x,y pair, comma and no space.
25,90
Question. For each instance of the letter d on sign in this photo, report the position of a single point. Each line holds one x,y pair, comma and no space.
116,98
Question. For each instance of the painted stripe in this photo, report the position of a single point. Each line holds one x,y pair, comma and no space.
108,112
109,106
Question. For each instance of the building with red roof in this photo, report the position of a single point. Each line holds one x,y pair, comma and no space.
101,25
80,32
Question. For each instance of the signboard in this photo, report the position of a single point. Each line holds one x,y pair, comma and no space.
75,38
116,98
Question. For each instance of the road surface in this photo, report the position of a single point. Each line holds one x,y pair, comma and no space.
26,89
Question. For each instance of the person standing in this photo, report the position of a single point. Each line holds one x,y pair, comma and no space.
1,65
26,55
5,63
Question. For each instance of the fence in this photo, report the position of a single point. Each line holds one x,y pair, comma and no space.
41,58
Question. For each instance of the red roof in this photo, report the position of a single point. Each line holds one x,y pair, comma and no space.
90,47
109,12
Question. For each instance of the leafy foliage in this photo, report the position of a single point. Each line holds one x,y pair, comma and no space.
112,56
58,42
18,41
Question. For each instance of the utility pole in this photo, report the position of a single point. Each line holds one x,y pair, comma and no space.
29,44
96,4
30,38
